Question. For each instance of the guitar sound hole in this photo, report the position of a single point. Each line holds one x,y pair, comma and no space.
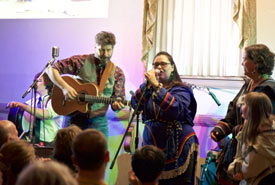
81,97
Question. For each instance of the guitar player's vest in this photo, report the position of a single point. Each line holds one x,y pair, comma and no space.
88,74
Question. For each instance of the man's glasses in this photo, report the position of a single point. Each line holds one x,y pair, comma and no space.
161,64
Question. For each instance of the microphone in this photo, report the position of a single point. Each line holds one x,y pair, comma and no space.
55,51
157,71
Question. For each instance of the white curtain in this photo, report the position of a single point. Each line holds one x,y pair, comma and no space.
200,35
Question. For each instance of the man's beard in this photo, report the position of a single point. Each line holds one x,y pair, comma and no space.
104,59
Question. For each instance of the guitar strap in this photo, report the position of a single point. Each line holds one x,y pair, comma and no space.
107,71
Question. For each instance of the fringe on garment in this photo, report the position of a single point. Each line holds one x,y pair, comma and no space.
176,172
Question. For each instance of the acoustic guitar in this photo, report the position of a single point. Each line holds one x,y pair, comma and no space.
87,95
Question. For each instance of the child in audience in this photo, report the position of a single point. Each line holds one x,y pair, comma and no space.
255,156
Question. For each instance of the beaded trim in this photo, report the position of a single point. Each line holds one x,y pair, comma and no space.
176,172
161,121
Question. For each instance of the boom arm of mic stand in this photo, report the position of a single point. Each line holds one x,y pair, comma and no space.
214,97
35,81
129,124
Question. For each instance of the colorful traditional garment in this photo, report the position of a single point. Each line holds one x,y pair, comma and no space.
168,117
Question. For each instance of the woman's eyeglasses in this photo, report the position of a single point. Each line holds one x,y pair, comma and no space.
161,64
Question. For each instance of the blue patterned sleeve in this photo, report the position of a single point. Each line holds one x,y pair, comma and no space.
176,102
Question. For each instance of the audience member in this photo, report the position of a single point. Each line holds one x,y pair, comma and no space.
62,151
91,156
255,156
258,64
14,156
46,173
8,132
147,165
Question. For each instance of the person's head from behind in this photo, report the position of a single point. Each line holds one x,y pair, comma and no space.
44,83
46,173
164,62
148,163
105,42
257,111
14,156
8,132
62,151
90,150
258,60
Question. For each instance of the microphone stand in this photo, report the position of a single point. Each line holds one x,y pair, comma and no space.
137,128
33,86
129,124
33,120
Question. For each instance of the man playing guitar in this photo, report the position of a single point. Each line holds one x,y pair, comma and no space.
97,69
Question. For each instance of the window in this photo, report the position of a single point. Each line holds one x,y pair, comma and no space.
200,35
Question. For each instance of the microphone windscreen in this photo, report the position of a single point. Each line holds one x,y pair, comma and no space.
55,51
157,71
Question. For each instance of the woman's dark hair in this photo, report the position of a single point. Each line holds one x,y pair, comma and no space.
262,56
174,77
48,82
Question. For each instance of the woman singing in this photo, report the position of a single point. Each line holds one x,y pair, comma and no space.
168,110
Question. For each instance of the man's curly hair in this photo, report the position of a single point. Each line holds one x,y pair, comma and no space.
105,38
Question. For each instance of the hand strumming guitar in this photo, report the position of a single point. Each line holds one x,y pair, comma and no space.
69,92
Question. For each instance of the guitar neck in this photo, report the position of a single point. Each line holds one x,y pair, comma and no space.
100,99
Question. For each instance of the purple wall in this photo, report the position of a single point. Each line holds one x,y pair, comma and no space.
26,44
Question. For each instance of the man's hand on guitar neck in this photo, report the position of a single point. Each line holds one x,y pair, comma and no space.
69,92
117,105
